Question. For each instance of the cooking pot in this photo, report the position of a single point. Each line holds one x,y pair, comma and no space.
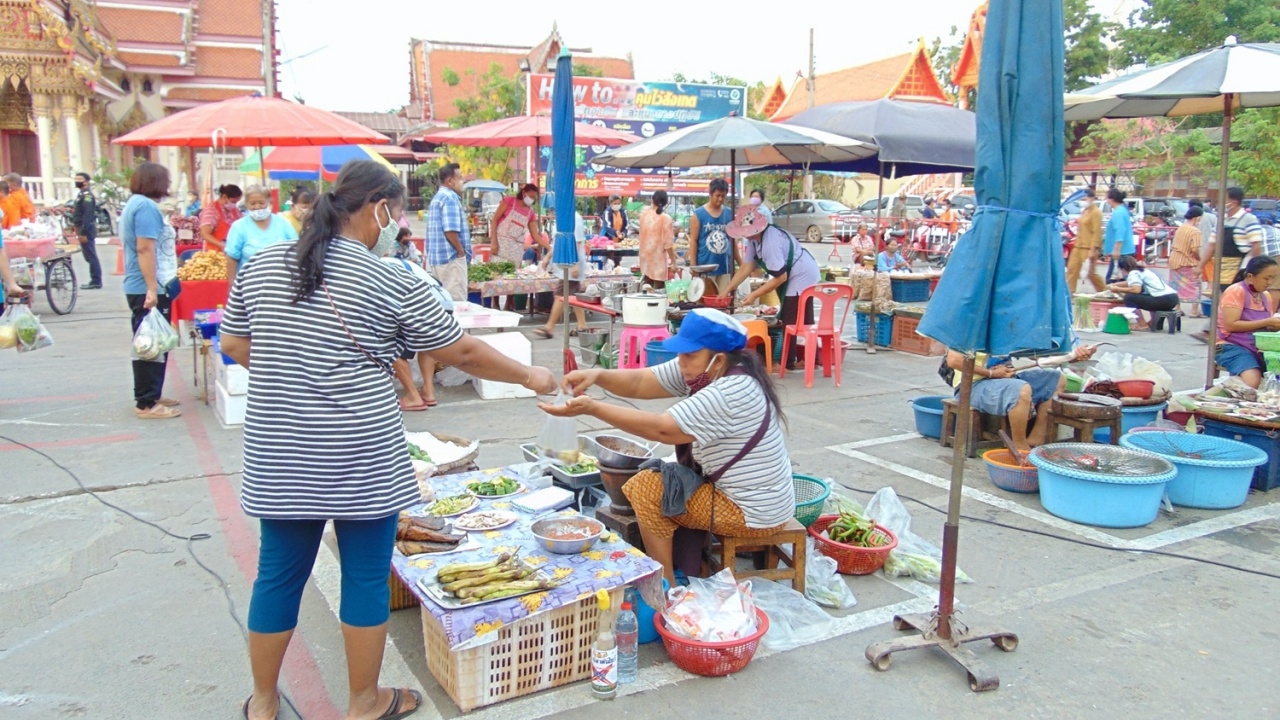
646,310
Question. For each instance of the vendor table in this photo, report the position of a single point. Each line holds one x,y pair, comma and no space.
476,317
517,286
493,652
198,295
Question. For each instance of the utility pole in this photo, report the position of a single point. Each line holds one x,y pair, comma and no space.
808,177
269,46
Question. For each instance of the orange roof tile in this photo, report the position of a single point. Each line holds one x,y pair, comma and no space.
145,25
773,99
225,62
229,17
897,76
149,59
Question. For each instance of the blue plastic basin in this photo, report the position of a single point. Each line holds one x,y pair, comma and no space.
1130,418
1216,480
654,354
1101,500
928,409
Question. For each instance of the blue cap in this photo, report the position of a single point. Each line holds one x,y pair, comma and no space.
707,329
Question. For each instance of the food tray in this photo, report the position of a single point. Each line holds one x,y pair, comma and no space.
511,519
474,504
523,488
573,482
438,596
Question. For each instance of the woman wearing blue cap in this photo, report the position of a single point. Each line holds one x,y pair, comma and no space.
734,471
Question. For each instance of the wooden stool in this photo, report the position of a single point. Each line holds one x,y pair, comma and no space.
724,550
983,428
1083,428
1084,417
1158,318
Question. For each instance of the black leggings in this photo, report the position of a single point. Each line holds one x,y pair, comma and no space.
148,375
1152,302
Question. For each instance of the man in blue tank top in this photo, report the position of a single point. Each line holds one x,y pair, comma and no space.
711,245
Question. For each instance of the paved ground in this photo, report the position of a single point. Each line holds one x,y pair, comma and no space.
105,617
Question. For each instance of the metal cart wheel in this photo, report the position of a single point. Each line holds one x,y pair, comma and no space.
60,285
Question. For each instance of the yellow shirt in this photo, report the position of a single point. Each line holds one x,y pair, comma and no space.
294,221
1089,233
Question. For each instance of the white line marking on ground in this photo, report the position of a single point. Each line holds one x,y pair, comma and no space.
872,442
327,574
1199,529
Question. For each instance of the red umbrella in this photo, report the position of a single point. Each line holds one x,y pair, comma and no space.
523,131
252,121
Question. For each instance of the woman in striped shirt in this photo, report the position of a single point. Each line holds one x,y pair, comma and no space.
729,406
319,323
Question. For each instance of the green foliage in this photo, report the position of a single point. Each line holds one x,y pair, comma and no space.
493,96
450,77
1164,30
430,174
1087,56
580,70
1255,145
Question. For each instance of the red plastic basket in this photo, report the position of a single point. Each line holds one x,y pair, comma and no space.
711,659
851,559
717,301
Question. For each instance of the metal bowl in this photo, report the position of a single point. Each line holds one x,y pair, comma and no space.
620,453
590,528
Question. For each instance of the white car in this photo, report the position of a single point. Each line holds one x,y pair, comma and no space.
915,206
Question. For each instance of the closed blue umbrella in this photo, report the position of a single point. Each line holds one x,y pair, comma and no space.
564,251
1004,290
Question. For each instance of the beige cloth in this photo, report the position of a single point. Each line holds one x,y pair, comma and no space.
1089,231
453,276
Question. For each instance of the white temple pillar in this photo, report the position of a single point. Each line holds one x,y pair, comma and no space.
70,111
42,107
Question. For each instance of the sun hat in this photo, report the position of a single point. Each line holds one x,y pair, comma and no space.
747,222
707,329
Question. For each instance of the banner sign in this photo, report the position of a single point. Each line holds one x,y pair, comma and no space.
643,109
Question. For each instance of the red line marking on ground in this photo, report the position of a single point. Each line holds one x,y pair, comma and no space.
51,398
129,437
301,671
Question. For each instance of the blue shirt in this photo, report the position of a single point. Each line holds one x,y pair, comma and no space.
885,263
445,215
1119,230
246,238
140,218
714,245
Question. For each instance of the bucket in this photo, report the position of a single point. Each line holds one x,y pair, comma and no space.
1213,473
1117,324
655,355
928,410
644,614
1131,418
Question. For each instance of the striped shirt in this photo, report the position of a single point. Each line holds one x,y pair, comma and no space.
445,215
323,436
721,418
1247,229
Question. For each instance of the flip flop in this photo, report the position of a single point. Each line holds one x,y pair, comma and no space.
543,333
245,708
430,403
393,711
156,412
168,402
413,408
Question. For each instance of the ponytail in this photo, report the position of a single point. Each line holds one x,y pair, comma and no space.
659,201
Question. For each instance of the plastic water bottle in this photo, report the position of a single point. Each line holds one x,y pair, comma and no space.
626,633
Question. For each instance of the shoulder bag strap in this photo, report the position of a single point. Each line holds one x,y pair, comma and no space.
378,363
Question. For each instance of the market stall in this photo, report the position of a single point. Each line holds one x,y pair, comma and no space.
204,285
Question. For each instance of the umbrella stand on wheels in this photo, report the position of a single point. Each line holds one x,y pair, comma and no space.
940,628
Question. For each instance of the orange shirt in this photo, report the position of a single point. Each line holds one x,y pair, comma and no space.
22,203
12,215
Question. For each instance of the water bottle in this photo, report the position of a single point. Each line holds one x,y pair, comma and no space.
626,633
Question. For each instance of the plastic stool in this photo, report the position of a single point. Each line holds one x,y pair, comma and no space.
1173,316
758,335
631,353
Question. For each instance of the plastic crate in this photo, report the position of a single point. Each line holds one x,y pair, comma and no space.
1267,475
910,290
884,328
1267,341
906,339
1099,309
535,653
401,596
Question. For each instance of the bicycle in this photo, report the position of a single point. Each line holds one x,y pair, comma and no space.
55,275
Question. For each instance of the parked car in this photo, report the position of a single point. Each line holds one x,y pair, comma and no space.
964,203
1267,211
816,220
915,206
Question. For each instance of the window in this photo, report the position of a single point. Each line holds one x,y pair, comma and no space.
785,209
804,208
125,85
831,206
146,86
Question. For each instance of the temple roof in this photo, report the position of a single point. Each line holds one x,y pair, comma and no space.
908,76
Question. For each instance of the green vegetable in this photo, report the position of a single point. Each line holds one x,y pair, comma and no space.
586,464
501,485
854,529
450,505
484,272
28,328
418,453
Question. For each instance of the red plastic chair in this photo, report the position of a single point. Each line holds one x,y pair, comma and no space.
480,253
827,296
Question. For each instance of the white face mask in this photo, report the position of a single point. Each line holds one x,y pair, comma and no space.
260,214
616,208
386,233
755,200
528,201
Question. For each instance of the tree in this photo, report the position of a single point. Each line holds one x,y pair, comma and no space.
580,70
1255,145
495,95
1164,30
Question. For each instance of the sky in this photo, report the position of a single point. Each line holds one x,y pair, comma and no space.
354,56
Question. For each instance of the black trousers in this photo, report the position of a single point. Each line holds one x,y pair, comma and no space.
791,310
1151,302
89,248
148,375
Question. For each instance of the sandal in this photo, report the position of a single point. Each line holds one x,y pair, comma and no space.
157,412
413,408
543,333
245,708
397,697
168,402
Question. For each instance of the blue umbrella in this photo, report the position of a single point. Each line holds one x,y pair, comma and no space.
564,250
1004,290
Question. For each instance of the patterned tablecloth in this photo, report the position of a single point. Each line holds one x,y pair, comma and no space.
605,566
528,286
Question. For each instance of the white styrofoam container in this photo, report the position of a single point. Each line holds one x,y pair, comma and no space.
234,378
230,408
515,346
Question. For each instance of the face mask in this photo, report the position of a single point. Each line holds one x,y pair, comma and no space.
300,211
616,208
702,380
260,214
79,185
755,201
528,201
386,234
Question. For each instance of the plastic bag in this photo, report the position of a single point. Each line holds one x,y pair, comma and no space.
1123,366
793,620
31,333
558,438
822,584
717,609
913,556
8,335
154,338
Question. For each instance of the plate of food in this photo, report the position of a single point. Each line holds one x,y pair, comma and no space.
458,585
485,520
452,505
499,487
1216,406
416,535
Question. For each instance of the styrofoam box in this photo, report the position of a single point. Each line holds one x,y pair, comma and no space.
230,408
515,346
232,377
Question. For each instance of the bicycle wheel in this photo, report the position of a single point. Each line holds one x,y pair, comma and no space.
60,285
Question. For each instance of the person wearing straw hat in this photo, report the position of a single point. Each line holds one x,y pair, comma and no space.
733,474
791,269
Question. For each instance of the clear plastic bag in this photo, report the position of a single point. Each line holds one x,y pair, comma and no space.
154,338
31,333
822,584
793,620
717,609
8,334
558,438
913,556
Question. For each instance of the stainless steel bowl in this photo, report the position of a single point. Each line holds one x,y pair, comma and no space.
580,524
621,453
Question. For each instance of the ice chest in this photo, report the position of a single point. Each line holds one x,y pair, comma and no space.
230,408
232,377
1267,475
515,346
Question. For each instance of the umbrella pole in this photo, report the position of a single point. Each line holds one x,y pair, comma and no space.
733,206
1211,369
875,269
940,629
566,309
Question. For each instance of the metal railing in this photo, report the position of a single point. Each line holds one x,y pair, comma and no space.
64,189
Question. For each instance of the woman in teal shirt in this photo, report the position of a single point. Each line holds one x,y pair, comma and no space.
259,228
1118,241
